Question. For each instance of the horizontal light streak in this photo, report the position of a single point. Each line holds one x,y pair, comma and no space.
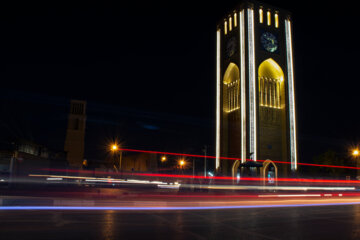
298,180
290,188
230,158
99,208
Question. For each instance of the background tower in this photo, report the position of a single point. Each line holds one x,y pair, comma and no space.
255,108
75,134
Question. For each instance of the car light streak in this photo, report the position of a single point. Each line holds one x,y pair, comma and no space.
232,158
298,188
297,180
100,208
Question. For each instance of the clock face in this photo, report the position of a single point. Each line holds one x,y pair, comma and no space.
269,42
230,47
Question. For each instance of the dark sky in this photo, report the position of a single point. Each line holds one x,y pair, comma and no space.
153,65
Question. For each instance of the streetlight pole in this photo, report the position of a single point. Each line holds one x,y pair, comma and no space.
205,150
356,154
120,163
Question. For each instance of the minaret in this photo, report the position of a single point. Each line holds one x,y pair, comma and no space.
75,133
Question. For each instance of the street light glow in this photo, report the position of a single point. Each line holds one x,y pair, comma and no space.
356,152
114,147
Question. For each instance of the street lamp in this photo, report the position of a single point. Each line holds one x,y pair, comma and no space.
163,159
356,154
114,149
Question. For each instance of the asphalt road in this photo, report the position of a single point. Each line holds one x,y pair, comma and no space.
325,222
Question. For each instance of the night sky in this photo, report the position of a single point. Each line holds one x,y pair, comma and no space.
147,71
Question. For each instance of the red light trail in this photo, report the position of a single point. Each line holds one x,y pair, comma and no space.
229,158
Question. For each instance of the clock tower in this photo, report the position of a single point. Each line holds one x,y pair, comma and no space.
255,107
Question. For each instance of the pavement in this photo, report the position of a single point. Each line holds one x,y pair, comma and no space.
325,222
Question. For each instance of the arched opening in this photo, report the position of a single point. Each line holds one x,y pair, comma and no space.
271,84
235,168
269,173
231,81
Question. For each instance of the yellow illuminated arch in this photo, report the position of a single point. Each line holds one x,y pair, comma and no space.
271,84
269,68
231,88
232,73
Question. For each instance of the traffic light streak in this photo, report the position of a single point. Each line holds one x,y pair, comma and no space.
230,158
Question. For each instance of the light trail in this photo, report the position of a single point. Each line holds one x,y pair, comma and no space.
100,208
297,180
231,158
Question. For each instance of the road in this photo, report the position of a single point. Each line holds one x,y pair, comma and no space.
325,222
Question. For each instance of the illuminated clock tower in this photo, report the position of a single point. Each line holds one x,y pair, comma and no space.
255,107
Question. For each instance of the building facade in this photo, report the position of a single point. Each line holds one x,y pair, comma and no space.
255,107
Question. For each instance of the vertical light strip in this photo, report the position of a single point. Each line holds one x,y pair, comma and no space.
235,20
243,85
230,23
217,160
276,17
292,119
252,84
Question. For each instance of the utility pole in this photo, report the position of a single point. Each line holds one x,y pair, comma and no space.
205,150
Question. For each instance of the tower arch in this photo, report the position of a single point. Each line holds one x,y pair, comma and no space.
271,84
231,89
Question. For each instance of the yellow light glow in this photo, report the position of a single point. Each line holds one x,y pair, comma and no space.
276,20
181,162
268,18
114,147
271,69
230,23
235,20
232,73
355,153
225,27
261,15
163,158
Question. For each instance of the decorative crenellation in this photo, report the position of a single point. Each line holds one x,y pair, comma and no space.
230,23
270,15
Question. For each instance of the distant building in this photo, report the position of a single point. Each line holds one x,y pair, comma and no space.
255,109
20,158
75,134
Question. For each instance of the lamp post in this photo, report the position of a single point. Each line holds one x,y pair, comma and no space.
114,149
205,152
181,164
356,154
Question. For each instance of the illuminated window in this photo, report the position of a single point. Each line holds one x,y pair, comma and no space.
225,27
231,89
230,23
276,16
261,15
268,18
235,20
271,79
